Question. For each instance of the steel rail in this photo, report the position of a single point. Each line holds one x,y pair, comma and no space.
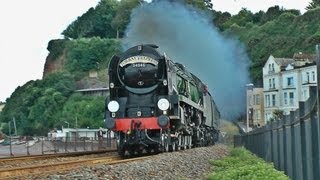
45,156
62,166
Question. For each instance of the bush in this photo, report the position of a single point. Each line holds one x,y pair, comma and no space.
241,164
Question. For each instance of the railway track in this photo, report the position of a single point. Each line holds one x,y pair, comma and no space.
47,168
17,161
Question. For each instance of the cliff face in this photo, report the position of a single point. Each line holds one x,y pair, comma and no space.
55,62
53,65
55,59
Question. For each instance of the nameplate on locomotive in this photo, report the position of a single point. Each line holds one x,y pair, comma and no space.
138,59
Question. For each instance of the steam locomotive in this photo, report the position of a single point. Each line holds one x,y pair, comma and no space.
156,105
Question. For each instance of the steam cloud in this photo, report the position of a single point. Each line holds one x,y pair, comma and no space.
187,36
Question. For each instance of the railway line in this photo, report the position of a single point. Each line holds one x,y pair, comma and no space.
42,165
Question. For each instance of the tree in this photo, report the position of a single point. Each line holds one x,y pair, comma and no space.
122,18
220,18
201,4
313,4
271,14
277,115
95,22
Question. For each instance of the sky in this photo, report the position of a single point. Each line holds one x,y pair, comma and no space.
28,26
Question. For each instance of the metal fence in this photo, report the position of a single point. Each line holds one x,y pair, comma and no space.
291,143
45,145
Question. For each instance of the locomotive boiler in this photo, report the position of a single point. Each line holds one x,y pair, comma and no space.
156,105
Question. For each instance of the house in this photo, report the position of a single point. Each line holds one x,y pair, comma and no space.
72,134
286,81
255,107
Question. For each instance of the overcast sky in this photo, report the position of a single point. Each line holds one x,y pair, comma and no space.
28,26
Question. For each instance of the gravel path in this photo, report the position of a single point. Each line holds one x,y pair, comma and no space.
187,164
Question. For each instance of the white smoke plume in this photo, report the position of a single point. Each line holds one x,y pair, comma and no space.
188,36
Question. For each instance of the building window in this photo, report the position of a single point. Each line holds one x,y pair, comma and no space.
313,76
291,98
267,100
272,67
258,114
273,83
308,78
270,83
273,100
285,97
257,99
290,81
269,67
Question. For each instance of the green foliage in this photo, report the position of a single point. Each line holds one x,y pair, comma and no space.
86,54
241,164
95,22
242,18
56,47
122,18
280,33
313,4
219,18
37,104
201,4
88,110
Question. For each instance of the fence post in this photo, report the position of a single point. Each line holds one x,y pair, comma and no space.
274,144
297,145
27,143
66,143
91,144
281,142
84,143
268,143
305,140
287,146
42,152
316,127
316,146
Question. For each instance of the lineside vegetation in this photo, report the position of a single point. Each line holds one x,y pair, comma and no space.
242,164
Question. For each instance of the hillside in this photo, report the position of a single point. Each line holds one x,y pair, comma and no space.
80,60
287,33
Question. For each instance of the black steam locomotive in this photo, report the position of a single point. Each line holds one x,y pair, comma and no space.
156,105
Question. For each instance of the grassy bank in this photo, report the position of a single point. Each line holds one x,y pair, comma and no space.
242,164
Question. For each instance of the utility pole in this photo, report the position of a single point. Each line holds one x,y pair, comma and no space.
11,154
15,127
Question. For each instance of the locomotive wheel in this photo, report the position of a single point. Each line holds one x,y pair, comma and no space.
121,151
148,150
185,138
173,146
165,147
131,152
157,149
140,151
180,141
189,142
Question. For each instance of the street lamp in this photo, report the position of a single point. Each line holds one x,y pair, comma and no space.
67,123
249,88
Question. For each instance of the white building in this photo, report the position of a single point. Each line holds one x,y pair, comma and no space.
286,81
